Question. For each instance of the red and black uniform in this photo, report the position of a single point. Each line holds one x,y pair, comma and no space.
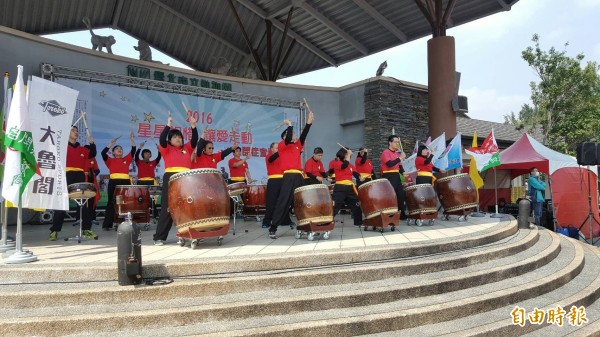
364,167
425,169
313,169
146,169
332,175
119,175
344,190
177,159
204,160
391,169
237,174
91,172
291,164
275,174
77,156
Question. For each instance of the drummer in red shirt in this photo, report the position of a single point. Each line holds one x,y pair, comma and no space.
344,190
238,168
314,168
275,174
290,151
391,168
205,156
364,166
118,166
177,156
77,157
146,166
425,167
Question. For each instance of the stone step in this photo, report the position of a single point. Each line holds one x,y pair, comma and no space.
584,289
48,295
75,273
400,308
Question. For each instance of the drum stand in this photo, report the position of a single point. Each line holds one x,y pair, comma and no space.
382,221
151,211
80,202
237,208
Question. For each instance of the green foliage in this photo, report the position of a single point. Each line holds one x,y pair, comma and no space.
565,107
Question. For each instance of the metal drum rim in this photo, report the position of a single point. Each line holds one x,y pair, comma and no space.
311,187
368,183
193,172
414,187
439,180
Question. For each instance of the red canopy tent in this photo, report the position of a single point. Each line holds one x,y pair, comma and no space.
570,184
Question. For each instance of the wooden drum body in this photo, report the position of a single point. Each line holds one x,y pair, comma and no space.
313,205
255,200
198,199
456,192
134,199
81,191
377,197
421,199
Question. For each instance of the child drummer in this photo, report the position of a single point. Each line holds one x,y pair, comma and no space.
118,167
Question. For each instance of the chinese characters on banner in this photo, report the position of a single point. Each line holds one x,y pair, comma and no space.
51,106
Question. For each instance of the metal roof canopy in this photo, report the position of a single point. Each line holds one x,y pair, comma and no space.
203,34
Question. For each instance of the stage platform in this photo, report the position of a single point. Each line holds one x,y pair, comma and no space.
250,240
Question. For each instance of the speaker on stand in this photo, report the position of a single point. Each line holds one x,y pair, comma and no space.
588,154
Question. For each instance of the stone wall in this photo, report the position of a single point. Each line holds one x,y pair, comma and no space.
387,105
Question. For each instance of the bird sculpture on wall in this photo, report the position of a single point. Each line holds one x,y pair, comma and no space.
381,68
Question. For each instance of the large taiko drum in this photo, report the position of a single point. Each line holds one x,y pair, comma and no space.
255,200
456,192
134,199
236,189
313,204
198,199
377,197
421,199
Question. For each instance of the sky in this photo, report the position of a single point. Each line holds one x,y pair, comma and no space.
494,77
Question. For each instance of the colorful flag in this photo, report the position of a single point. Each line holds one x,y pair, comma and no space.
437,146
488,155
473,173
20,162
455,153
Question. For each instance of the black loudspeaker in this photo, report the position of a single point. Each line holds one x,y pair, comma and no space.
588,153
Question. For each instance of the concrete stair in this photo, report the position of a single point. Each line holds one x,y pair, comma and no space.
460,287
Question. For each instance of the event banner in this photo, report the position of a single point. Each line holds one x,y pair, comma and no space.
51,107
115,111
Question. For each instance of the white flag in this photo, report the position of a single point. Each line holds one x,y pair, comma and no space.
438,146
20,163
53,106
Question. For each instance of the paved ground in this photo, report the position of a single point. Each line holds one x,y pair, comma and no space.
250,239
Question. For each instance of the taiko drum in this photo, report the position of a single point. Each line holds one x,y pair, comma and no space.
377,197
313,204
456,192
421,199
198,199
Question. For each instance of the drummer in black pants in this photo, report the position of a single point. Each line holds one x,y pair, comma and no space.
177,157
391,168
77,157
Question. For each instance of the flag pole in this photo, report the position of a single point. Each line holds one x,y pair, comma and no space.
496,214
5,243
20,256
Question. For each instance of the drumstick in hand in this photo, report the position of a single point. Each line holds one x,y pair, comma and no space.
87,130
343,147
78,119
